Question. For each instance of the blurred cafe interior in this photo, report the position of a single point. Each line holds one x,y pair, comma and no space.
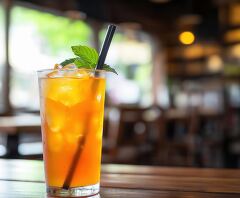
176,98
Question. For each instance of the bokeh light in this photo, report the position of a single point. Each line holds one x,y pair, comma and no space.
186,38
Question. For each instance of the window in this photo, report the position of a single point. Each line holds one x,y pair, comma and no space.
130,55
38,40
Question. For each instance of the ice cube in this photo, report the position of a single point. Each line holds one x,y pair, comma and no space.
68,91
70,66
55,74
76,123
76,73
54,141
55,114
99,97
97,125
57,66
83,74
75,130
69,70
73,138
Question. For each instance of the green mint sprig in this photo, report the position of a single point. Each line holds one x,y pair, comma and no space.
86,57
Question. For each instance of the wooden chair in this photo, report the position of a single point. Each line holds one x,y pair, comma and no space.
182,139
133,134
212,134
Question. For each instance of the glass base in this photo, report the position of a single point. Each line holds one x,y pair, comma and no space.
74,192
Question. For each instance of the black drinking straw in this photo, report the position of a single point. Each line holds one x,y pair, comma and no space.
77,155
105,46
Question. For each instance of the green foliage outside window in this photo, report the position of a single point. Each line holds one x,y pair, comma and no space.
59,32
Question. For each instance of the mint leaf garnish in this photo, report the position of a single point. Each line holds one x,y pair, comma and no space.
87,57
108,68
82,63
67,61
87,54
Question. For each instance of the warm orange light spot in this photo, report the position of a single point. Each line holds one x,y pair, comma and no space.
186,38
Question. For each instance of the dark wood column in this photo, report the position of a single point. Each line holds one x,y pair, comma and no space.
96,28
159,74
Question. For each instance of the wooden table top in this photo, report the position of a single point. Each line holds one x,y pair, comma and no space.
25,178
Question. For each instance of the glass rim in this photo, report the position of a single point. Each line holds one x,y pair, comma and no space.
78,69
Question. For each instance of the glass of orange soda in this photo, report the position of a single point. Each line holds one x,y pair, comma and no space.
72,112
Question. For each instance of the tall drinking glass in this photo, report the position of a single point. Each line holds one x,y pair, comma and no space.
72,110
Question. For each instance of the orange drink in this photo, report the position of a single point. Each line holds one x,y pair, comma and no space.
72,110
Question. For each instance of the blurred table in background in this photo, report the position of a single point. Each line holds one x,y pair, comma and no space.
25,178
12,126
135,135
